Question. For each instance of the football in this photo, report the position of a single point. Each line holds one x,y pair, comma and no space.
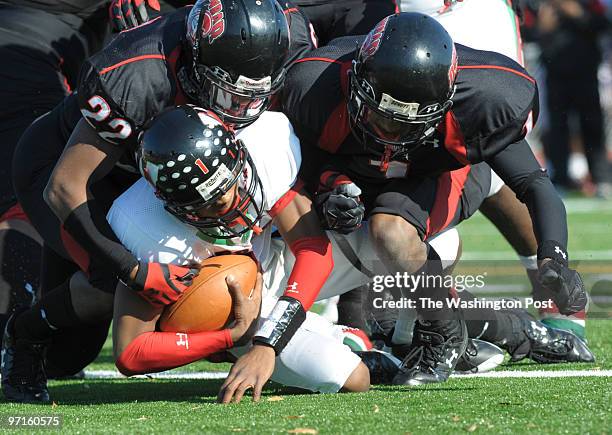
207,304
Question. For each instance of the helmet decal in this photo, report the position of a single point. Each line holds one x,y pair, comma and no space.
200,164
452,71
407,109
208,188
213,22
372,42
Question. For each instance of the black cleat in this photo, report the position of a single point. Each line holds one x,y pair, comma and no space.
437,347
479,357
23,368
533,339
382,366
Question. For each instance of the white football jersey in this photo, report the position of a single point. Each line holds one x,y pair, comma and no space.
482,24
152,234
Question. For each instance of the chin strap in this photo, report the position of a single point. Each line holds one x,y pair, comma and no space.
386,157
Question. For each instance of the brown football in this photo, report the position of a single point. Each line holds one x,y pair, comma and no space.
207,304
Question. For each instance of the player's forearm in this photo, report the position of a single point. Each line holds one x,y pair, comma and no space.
519,169
87,225
152,352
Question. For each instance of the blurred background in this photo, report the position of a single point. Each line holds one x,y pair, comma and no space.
568,49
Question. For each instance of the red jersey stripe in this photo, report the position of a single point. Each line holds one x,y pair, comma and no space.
132,59
503,68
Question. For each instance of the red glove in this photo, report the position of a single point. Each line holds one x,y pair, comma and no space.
162,284
125,14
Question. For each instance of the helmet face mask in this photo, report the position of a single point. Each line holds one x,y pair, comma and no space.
238,104
192,160
401,83
244,213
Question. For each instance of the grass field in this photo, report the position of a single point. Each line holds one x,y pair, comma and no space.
565,404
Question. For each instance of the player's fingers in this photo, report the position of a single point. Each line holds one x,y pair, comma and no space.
242,388
227,391
257,390
142,15
234,288
257,291
117,16
128,13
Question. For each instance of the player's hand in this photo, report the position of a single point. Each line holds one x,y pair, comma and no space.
338,203
252,370
162,284
565,285
125,14
246,310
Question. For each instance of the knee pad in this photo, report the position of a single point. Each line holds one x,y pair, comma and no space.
20,260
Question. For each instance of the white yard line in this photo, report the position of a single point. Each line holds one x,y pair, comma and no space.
540,374
112,374
510,255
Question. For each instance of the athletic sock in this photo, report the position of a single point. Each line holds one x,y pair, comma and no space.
433,291
485,323
158,351
350,309
52,313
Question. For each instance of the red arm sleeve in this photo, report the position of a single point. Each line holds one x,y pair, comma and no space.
313,264
158,351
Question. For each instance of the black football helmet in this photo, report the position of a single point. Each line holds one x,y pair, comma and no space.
401,83
192,159
238,49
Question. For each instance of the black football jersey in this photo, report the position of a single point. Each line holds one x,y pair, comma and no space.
494,102
133,78
81,8
303,38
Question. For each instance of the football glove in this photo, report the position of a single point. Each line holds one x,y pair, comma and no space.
162,284
125,14
338,203
566,286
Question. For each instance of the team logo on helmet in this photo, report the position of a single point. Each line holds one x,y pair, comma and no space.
372,41
213,22
452,72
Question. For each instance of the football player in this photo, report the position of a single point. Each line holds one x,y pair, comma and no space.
207,192
494,26
425,115
42,45
211,54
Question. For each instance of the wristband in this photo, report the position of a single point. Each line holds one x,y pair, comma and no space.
553,250
282,323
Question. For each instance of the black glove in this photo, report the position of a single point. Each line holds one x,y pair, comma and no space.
338,203
566,287
125,14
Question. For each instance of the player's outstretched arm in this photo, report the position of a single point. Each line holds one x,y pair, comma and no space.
519,169
139,349
298,223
